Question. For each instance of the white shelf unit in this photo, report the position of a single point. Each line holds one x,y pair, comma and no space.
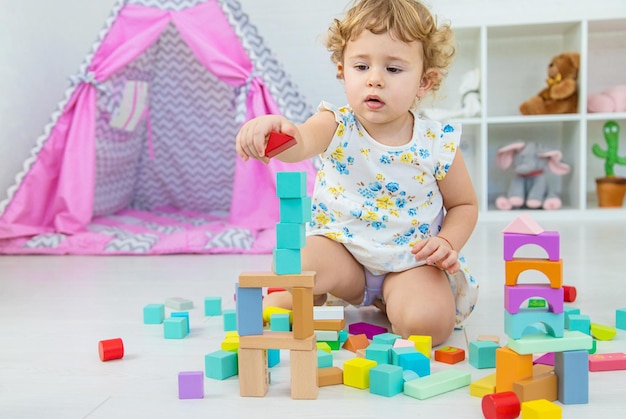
513,60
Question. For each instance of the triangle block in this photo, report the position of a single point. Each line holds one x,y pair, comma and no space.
356,342
523,224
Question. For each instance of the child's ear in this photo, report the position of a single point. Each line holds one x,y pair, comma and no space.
429,78
340,71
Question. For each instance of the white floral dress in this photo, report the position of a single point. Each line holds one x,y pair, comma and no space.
378,201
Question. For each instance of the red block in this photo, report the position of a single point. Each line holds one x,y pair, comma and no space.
275,289
607,362
503,405
569,294
277,143
111,349
449,355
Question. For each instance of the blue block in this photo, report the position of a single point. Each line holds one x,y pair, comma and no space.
515,324
212,306
184,314
295,210
482,354
324,359
620,318
220,365
580,322
386,380
153,314
287,261
396,352
273,357
379,352
249,311
290,235
279,322
386,338
290,184
415,361
175,328
230,320
572,368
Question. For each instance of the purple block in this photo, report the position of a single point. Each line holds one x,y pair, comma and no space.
368,329
548,240
514,296
545,359
191,385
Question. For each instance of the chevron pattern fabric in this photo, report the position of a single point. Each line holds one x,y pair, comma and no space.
167,4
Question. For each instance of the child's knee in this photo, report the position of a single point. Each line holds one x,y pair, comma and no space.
437,324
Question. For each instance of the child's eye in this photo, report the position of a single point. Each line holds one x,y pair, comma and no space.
361,67
393,69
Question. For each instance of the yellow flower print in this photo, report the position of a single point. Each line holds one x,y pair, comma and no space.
338,154
321,175
370,216
341,129
379,177
384,202
334,235
450,146
394,212
365,152
322,219
344,109
430,135
421,178
336,191
406,158
414,222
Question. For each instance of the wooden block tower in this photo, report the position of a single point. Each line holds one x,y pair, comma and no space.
295,211
525,326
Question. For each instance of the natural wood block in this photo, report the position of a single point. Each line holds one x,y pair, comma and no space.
329,376
303,366
329,324
302,312
277,340
306,279
253,374
542,385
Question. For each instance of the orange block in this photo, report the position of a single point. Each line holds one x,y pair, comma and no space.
302,312
511,367
329,324
356,342
329,376
449,355
553,270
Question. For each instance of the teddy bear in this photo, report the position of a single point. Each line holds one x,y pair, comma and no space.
612,99
561,94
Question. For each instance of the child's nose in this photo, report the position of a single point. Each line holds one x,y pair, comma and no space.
375,82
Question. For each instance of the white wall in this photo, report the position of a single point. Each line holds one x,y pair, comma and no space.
43,42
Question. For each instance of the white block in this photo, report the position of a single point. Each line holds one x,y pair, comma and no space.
328,313
327,335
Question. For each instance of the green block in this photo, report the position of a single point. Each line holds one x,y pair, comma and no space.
295,210
324,359
386,338
175,327
379,352
536,303
230,320
212,306
334,345
290,184
482,354
593,348
541,343
220,364
153,314
386,380
290,235
438,383
287,261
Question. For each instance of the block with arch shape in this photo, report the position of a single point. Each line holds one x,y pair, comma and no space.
514,296
548,240
515,325
553,270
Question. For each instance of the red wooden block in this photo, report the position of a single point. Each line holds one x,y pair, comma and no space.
569,294
503,405
449,355
607,362
277,143
111,349
274,289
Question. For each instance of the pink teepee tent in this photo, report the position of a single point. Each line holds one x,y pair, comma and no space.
140,158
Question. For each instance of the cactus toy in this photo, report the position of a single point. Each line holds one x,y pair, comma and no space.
611,136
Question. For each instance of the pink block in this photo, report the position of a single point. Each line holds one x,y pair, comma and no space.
523,224
548,240
545,359
367,329
400,343
515,295
607,362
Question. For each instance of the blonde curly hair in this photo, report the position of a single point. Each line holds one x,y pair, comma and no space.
406,20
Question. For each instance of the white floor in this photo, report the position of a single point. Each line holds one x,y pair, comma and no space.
54,310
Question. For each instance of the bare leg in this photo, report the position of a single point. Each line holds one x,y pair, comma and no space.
336,271
420,302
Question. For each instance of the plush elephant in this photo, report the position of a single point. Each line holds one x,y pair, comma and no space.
530,186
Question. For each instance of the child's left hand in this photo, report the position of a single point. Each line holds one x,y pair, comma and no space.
437,252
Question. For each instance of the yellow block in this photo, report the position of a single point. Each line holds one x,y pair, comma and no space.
268,311
483,386
603,332
541,409
356,372
323,346
423,344
231,342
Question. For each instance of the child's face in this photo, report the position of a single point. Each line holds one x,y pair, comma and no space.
382,76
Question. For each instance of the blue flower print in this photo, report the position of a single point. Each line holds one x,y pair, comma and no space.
347,233
323,206
400,202
423,228
424,153
385,159
378,225
392,186
375,186
448,128
342,168
350,160
357,212
412,212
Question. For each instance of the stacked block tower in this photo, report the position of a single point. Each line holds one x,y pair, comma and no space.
254,341
535,330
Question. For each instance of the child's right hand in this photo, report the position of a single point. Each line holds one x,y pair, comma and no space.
252,138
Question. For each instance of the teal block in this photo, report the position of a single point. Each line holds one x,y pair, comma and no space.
386,380
567,311
343,336
295,210
438,383
183,314
212,306
386,338
620,318
572,368
580,323
482,354
324,359
249,311
290,184
415,361
220,365
290,235
273,357
175,327
153,314
515,324
279,322
230,320
379,352
287,261
396,352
